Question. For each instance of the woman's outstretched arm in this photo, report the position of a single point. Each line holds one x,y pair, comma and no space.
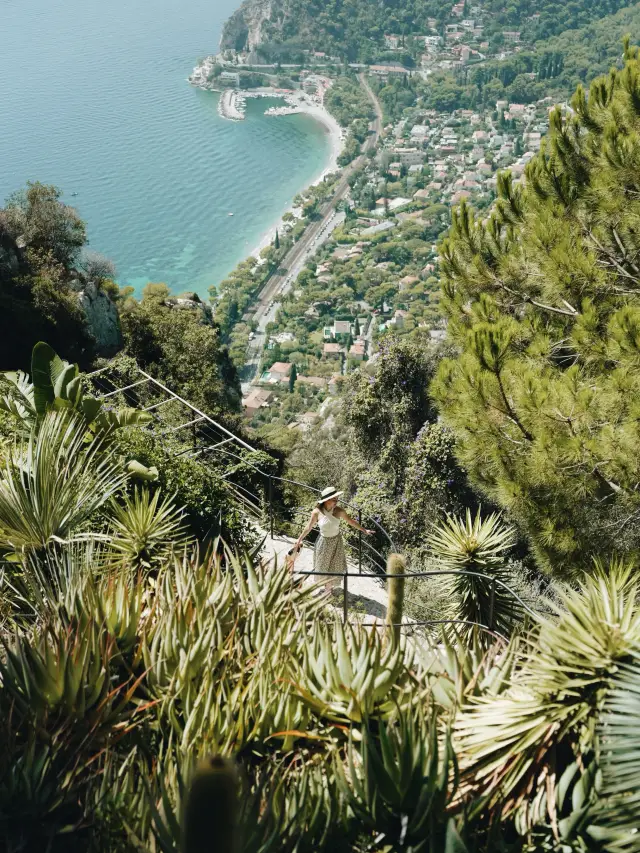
351,521
313,520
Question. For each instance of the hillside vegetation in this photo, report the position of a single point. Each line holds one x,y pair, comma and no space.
354,29
542,301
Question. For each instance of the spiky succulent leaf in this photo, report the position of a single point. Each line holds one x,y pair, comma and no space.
620,747
479,547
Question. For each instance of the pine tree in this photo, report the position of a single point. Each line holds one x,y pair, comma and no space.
293,375
543,301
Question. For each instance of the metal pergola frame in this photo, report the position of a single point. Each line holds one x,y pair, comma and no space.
224,435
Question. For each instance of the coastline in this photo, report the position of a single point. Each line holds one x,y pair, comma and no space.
335,132
296,103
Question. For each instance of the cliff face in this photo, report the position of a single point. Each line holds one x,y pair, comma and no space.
259,22
244,29
102,319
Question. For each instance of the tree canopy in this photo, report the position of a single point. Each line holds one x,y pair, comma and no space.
542,301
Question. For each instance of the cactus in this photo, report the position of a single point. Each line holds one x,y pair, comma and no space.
396,567
210,812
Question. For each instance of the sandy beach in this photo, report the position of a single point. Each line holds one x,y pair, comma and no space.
319,113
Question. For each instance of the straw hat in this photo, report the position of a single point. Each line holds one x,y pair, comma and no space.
329,493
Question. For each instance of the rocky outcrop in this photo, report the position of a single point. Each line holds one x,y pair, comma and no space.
244,29
186,303
102,317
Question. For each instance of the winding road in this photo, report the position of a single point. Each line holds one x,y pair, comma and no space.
316,234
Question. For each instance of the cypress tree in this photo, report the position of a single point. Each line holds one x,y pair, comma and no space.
543,303
293,375
276,242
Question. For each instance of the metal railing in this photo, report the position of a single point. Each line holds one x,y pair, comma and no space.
208,438
494,583
263,498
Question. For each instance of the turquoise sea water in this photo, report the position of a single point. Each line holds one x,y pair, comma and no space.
94,99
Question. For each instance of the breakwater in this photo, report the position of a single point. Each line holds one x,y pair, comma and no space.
232,105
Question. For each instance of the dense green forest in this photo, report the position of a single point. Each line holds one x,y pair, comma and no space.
354,29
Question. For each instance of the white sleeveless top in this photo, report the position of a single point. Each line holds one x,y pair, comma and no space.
329,525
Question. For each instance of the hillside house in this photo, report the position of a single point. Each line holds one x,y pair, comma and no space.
258,399
341,327
407,281
357,351
315,381
333,351
278,373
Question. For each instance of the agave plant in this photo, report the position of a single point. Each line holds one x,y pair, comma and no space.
348,675
64,675
401,781
458,668
522,741
146,528
478,547
219,657
279,809
53,486
41,790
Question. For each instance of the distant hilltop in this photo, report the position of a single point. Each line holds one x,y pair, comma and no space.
365,30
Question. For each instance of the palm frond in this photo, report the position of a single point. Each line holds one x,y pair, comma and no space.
620,759
49,489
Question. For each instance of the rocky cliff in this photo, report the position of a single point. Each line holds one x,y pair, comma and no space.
102,318
244,29
260,22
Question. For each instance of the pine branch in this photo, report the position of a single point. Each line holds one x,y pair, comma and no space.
512,415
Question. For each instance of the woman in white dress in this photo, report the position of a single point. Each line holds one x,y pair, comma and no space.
329,554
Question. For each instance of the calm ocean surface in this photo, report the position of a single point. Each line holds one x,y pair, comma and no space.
94,99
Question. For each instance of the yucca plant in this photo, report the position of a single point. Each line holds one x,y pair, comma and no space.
479,547
49,489
620,758
522,741
146,528
401,781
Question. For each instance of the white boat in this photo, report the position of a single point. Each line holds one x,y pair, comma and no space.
230,214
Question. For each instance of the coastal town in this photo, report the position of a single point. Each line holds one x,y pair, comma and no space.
375,272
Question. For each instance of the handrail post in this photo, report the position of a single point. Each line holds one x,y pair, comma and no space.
492,603
271,505
360,542
345,592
